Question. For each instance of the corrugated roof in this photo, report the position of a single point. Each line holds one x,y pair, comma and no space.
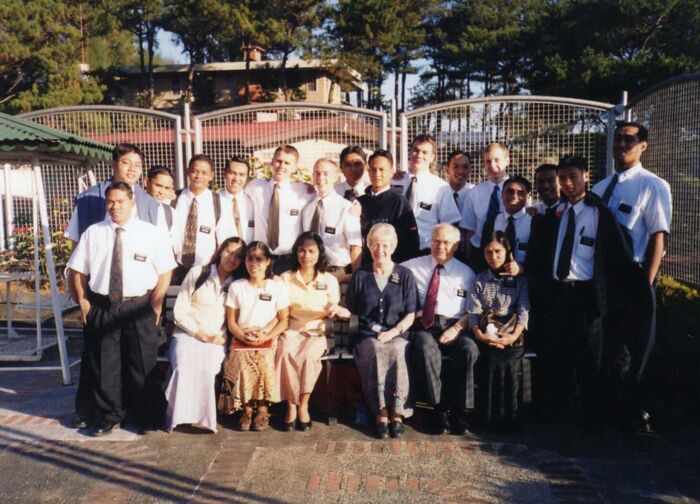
21,134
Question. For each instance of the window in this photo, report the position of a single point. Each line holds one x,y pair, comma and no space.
311,84
175,87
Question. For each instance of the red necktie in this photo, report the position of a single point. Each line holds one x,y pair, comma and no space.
428,317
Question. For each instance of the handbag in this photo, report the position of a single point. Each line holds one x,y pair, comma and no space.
503,323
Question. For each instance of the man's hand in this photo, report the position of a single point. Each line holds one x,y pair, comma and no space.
387,336
449,336
157,309
84,309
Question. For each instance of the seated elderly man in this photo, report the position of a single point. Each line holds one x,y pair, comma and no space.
444,285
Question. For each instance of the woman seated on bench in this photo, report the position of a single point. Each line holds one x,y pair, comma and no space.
313,296
199,341
498,316
257,312
384,297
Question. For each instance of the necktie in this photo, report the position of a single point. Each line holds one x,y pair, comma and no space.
411,193
510,232
188,247
493,211
237,217
428,316
567,247
350,195
609,190
273,219
316,219
115,272
455,195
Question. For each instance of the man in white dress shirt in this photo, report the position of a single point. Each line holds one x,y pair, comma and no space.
429,196
235,179
443,285
353,165
547,187
203,217
484,202
120,272
277,205
459,169
514,221
641,203
331,217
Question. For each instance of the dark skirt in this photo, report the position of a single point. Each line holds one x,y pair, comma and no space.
499,383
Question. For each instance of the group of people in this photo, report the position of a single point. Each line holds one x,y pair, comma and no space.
448,282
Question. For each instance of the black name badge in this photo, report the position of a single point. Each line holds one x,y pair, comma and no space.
321,286
624,208
461,293
140,257
204,229
294,212
330,230
426,206
394,278
587,241
251,223
264,296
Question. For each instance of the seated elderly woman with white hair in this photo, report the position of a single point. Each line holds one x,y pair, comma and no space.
384,297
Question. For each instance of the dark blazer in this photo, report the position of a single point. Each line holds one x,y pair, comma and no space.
91,204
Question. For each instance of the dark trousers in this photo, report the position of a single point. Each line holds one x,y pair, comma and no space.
122,358
84,398
443,384
572,353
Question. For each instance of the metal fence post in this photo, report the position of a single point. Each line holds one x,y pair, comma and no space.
404,143
393,129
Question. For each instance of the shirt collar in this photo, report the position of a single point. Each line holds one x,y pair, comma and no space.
517,215
578,207
629,172
126,226
202,197
228,195
283,185
447,266
387,188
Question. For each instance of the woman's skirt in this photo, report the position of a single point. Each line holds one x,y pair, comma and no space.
190,390
383,369
249,375
298,364
500,383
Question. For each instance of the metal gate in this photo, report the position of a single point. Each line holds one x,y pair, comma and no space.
316,129
671,111
536,129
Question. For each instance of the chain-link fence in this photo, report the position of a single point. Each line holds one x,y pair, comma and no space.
671,111
316,130
535,129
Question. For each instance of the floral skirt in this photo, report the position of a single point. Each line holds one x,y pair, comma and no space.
249,375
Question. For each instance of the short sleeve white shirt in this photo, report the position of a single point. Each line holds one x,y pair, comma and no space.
523,223
340,229
209,232
257,307
641,203
245,213
433,203
456,281
146,254
476,208
293,198
359,188
585,234
461,196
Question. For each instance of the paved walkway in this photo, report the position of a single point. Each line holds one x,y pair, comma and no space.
43,460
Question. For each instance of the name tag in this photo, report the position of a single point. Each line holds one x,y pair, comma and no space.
294,212
461,293
425,206
330,230
522,246
204,229
394,278
624,208
265,296
321,286
251,223
587,241
140,257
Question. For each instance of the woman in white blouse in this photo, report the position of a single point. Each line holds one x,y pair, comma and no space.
257,313
199,341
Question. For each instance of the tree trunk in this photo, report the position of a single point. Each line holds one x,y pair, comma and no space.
142,59
247,75
150,92
403,91
285,87
396,84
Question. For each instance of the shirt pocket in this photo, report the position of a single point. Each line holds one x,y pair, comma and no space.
628,214
585,247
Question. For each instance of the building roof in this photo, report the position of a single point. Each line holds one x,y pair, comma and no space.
24,135
350,75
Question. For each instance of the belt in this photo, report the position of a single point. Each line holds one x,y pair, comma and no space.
575,284
102,299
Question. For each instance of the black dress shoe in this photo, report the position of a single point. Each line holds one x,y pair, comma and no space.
288,426
643,422
382,430
105,427
396,429
303,426
441,422
460,426
80,421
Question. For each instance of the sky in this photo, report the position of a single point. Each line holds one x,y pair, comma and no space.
170,50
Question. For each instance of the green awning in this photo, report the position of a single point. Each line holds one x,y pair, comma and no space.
21,134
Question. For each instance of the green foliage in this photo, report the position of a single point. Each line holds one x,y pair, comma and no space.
21,259
671,292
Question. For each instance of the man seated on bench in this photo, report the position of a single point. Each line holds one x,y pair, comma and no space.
444,284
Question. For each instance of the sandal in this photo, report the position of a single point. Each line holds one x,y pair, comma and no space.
245,421
261,421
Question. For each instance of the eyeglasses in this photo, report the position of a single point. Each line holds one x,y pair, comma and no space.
257,259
